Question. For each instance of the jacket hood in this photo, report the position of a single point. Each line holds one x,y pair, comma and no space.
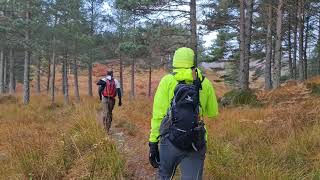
185,74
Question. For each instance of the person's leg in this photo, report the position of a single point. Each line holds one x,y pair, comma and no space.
192,165
104,112
110,104
170,158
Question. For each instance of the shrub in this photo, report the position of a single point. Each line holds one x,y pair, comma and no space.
239,97
315,88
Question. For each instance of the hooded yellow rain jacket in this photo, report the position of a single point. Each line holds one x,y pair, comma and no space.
164,95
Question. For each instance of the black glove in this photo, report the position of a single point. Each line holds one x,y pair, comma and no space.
154,157
120,103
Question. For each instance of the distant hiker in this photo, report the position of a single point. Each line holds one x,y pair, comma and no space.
177,120
108,90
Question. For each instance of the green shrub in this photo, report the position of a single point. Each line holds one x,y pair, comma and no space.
315,88
240,97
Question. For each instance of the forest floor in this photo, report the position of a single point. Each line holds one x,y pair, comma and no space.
132,146
279,139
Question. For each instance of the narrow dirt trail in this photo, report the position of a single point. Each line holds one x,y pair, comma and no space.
134,149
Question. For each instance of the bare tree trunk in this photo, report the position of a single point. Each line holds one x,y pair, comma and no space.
268,82
92,27
278,51
295,46
305,57
273,52
5,71
62,74
76,84
90,79
319,47
53,71
48,75
65,81
290,49
244,84
248,29
301,31
11,72
26,83
132,78
121,75
1,71
38,88
150,83
193,22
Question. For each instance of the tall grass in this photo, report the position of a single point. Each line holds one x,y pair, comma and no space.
44,141
265,143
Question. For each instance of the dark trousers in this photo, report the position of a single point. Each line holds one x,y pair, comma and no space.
107,107
190,162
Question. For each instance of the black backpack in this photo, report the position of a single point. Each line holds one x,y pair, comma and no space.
182,124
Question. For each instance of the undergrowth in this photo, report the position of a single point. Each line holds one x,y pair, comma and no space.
240,97
244,142
265,143
314,88
43,141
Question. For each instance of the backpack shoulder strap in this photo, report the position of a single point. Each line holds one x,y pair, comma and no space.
203,77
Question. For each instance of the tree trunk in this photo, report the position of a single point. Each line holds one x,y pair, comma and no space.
90,79
76,84
48,75
248,34
11,72
278,51
301,31
65,81
62,74
150,83
243,81
5,77
295,46
1,71
193,22
290,49
121,75
305,57
268,82
92,27
132,78
273,52
53,71
319,47
26,77
38,88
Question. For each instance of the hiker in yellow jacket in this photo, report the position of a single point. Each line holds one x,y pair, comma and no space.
177,119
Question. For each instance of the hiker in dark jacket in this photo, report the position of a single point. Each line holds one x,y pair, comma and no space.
109,88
